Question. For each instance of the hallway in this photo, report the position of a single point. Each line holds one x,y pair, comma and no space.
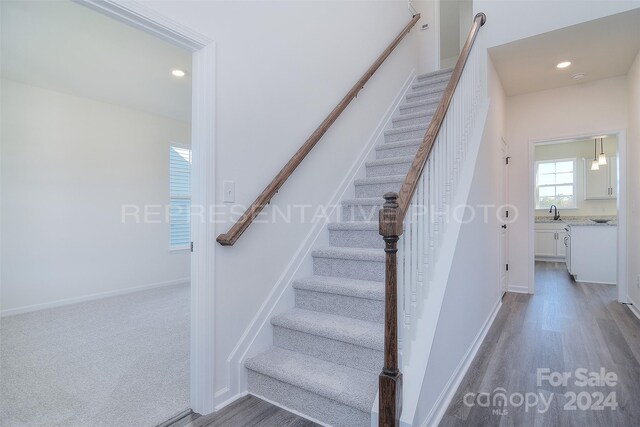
563,327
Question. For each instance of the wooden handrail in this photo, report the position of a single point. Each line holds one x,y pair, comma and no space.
415,171
390,227
231,236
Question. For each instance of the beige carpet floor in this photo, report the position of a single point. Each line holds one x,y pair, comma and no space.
120,361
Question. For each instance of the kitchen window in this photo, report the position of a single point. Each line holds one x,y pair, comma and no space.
180,196
556,184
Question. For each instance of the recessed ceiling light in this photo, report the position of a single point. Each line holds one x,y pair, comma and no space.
178,73
564,64
579,76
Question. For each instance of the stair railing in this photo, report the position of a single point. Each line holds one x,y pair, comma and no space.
240,226
412,222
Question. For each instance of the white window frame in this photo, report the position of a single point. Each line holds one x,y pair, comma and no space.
575,183
187,247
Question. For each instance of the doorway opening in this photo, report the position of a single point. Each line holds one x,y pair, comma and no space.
455,17
97,193
577,192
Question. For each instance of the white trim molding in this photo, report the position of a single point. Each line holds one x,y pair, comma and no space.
203,399
518,289
621,200
148,20
92,297
635,308
203,51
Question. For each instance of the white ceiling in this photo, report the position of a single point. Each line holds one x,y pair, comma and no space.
601,48
69,48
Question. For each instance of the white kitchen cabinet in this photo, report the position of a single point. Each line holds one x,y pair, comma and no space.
561,244
602,183
550,240
545,243
594,253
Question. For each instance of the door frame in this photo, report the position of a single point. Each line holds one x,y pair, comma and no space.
202,333
621,204
504,260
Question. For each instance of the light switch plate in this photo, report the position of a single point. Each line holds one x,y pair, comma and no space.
228,191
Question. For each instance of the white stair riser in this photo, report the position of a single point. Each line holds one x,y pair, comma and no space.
341,305
342,353
313,405
349,268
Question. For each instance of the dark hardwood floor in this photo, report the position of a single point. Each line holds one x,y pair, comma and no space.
245,412
565,326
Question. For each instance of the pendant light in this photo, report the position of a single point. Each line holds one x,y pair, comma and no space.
602,159
594,164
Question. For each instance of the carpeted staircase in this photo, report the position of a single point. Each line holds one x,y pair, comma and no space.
327,351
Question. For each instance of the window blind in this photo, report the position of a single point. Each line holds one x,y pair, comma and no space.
180,196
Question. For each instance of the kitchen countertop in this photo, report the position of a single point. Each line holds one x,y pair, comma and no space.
579,220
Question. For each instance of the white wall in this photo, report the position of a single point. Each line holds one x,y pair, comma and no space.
579,150
590,108
427,39
510,20
68,164
633,138
473,288
280,68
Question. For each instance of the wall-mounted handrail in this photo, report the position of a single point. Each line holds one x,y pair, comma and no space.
391,221
234,233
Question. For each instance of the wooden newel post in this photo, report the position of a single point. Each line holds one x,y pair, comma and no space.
390,386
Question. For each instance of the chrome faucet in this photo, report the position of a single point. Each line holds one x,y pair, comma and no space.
556,216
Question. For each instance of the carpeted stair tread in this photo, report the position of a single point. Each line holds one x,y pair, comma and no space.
354,226
357,254
435,74
425,114
339,328
405,129
399,144
364,201
430,104
340,286
431,81
390,161
427,91
380,180
345,385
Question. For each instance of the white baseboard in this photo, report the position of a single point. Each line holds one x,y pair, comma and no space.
257,336
635,308
225,392
91,297
293,411
518,289
447,395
